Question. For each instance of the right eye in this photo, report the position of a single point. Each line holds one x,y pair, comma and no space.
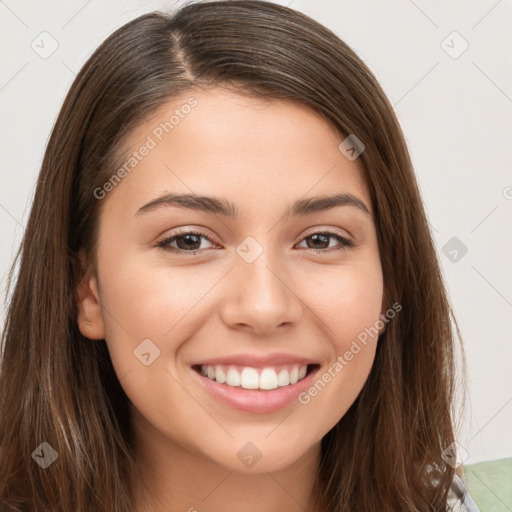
184,240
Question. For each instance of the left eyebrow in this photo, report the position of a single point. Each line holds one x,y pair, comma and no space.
227,208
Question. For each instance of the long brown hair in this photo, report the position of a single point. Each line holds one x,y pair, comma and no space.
58,387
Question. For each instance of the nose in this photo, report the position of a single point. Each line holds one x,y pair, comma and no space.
261,296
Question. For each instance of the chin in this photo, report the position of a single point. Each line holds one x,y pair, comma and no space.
254,457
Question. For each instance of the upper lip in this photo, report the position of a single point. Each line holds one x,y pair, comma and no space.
256,361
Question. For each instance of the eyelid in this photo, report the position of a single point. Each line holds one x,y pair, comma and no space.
325,229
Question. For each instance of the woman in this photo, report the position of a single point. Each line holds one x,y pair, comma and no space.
258,372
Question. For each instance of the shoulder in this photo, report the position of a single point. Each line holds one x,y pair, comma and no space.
459,499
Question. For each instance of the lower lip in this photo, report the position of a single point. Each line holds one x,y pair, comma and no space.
253,400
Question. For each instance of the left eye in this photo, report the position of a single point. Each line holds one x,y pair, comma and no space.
324,236
190,241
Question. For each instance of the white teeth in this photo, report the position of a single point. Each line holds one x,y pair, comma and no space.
268,379
251,378
233,378
283,379
220,376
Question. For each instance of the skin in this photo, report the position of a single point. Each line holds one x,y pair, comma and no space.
297,297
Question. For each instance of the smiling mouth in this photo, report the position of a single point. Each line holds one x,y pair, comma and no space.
261,379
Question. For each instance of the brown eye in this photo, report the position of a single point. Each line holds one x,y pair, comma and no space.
320,241
187,242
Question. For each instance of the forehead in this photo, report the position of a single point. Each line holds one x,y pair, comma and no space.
253,151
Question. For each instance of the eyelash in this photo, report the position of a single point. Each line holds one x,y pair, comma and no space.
165,243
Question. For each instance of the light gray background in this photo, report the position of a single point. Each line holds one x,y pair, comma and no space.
455,110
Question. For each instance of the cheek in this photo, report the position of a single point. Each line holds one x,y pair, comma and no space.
350,309
359,306
348,299
153,302
152,312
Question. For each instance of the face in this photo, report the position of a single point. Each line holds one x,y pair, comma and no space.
242,286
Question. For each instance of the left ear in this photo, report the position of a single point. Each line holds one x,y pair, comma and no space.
90,317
